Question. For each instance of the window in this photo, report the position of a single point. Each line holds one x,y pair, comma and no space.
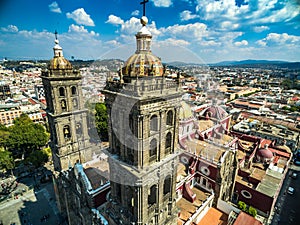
63,105
167,185
73,90
168,143
61,92
170,118
246,194
153,147
67,133
75,103
154,123
152,195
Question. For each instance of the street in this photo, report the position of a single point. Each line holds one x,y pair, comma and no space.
33,207
288,205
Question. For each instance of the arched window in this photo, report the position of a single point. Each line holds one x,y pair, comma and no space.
152,195
170,118
75,103
73,90
67,132
168,140
154,123
153,150
167,185
61,92
78,129
63,105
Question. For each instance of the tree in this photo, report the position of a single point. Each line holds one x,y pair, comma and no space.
4,135
242,205
6,160
252,211
37,158
101,121
25,136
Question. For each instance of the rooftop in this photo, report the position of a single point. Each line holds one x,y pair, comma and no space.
187,208
214,217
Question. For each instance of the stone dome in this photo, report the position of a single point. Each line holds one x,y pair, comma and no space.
59,61
265,152
216,112
143,62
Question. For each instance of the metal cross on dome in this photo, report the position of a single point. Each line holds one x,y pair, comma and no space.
144,6
55,34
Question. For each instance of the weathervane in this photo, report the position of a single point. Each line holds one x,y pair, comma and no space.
144,6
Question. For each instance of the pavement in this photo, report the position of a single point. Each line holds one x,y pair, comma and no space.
29,201
288,206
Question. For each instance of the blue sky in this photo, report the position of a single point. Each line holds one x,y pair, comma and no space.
183,30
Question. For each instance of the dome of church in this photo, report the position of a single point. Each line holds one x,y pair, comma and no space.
216,112
265,153
143,62
59,61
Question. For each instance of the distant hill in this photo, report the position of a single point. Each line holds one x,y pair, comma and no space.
259,63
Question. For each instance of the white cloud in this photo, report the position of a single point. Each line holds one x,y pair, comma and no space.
76,28
135,13
259,29
228,25
112,19
81,17
162,3
241,43
187,15
54,7
255,12
10,28
172,42
279,39
189,31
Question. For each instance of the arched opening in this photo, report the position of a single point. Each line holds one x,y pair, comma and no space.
63,105
78,129
167,185
67,132
168,143
154,123
75,103
153,150
73,90
152,195
170,118
61,92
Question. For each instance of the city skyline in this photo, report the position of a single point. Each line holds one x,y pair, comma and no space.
190,31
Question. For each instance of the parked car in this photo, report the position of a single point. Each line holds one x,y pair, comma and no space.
290,190
294,175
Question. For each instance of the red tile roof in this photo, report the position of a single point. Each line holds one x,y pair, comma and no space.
245,219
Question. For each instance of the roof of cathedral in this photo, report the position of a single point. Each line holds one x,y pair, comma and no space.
214,111
143,62
265,152
59,61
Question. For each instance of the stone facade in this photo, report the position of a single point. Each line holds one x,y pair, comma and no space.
67,120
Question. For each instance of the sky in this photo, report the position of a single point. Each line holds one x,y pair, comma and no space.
199,31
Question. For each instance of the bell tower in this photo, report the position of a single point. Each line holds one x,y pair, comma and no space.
143,110
67,117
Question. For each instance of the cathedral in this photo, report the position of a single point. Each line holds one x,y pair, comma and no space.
164,164
134,181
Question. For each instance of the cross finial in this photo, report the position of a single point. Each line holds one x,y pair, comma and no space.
55,34
144,6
